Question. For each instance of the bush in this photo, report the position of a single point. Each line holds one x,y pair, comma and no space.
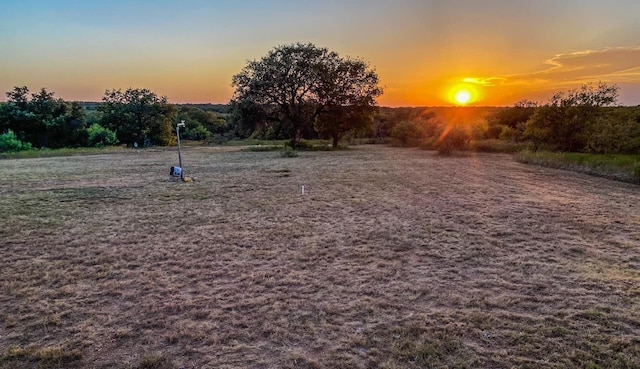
452,138
288,152
408,132
9,142
100,136
617,132
196,133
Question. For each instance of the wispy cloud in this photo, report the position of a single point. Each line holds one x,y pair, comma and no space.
486,81
620,64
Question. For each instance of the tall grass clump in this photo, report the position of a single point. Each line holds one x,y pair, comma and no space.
615,166
288,152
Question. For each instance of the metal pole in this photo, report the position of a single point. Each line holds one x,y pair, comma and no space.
180,150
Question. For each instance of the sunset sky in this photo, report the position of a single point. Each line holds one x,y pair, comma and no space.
501,50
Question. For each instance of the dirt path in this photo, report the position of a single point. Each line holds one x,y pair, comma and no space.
393,258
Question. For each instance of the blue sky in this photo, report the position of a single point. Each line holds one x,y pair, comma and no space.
189,50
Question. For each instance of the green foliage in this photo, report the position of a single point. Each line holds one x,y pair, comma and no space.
65,151
9,142
265,148
43,120
311,145
452,138
196,132
497,146
288,152
99,136
288,89
509,123
563,122
615,131
620,167
138,116
248,118
410,133
201,124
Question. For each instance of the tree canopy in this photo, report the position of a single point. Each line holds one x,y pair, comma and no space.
43,120
138,116
565,122
293,85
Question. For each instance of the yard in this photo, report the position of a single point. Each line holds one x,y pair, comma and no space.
392,258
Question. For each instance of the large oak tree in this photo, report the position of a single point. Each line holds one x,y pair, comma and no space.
300,85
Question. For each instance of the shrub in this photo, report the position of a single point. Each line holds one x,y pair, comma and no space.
196,133
452,138
288,152
100,136
616,132
497,146
9,142
409,132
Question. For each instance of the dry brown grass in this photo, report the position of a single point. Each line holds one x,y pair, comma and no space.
393,258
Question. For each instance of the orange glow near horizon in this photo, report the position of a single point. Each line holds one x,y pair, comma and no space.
463,94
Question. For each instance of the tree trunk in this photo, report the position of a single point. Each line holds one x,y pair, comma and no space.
296,138
336,138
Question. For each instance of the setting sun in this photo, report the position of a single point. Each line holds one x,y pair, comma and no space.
462,97
463,94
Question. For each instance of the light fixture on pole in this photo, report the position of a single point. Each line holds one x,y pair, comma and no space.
177,171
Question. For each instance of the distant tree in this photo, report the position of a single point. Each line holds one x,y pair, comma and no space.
138,116
201,124
293,84
42,119
409,132
562,123
99,136
615,132
512,120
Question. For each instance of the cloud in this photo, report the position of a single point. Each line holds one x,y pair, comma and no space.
621,64
612,65
486,81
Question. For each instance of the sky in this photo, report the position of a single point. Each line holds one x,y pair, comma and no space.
501,51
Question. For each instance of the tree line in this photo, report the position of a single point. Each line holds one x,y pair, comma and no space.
587,119
135,117
300,91
296,91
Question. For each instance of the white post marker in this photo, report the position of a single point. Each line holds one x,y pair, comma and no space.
303,189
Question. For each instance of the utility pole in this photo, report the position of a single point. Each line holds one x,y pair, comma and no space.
181,124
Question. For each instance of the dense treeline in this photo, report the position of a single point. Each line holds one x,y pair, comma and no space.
135,117
42,120
583,120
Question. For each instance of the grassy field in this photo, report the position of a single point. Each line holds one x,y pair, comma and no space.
392,258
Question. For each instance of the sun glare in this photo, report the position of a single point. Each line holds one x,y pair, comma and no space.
463,94
462,97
